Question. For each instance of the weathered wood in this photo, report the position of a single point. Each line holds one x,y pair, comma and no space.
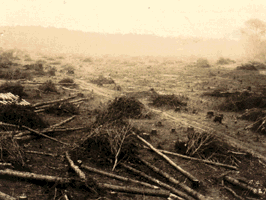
4,196
118,177
80,173
242,185
171,179
41,153
78,100
199,160
188,175
43,135
51,102
233,193
62,122
134,190
156,181
33,176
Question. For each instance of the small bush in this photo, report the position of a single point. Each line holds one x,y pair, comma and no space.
67,82
102,80
52,71
171,101
203,63
87,60
224,61
48,86
247,66
14,74
14,88
56,63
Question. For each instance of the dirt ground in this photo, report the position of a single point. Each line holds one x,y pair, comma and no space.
136,76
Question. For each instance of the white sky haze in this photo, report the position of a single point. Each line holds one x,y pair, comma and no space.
205,18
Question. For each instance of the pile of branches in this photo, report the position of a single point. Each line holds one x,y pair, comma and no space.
244,100
14,88
253,114
109,143
11,152
21,115
121,108
48,86
254,66
62,109
224,61
68,82
167,100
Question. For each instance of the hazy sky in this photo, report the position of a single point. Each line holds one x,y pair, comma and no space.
204,18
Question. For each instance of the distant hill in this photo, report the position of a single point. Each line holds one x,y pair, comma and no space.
60,40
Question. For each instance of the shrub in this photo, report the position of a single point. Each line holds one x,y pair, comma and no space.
14,88
52,71
67,82
56,63
48,86
171,101
224,61
202,62
87,60
14,74
102,80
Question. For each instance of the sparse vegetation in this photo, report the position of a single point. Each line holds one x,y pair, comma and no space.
48,86
202,63
14,88
101,80
224,61
14,74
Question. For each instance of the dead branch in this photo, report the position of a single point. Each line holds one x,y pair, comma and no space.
5,164
75,168
63,122
41,153
171,179
197,159
46,136
51,102
33,176
39,110
188,175
242,185
156,181
4,196
233,193
134,190
121,178
78,100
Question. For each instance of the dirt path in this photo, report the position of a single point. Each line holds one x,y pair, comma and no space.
184,119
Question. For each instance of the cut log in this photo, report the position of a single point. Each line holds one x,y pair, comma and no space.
4,196
80,173
55,101
121,178
194,180
33,176
187,189
242,185
199,160
134,190
156,181
43,135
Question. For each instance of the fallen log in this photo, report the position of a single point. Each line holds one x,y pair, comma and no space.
233,193
79,100
38,177
242,185
134,190
62,122
39,110
80,173
187,189
41,153
121,178
43,135
51,102
194,180
4,196
156,181
199,160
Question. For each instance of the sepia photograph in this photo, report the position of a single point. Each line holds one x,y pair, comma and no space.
132,100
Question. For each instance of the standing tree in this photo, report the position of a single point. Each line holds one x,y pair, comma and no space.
255,34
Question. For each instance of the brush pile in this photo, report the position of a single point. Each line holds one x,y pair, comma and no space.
14,88
121,108
63,109
101,80
170,101
21,115
253,114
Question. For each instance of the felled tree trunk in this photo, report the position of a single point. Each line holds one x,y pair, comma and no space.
4,196
51,102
